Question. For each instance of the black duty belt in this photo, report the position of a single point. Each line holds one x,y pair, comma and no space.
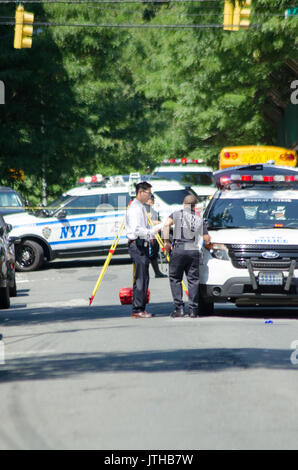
189,244
139,242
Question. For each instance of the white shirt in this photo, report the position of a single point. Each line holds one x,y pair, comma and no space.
137,222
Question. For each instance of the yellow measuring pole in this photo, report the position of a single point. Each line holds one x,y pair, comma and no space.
161,244
108,259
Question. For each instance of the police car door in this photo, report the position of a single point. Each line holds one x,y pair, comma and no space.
114,206
76,225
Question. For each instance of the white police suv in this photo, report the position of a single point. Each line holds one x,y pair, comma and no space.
189,172
83,221
253,224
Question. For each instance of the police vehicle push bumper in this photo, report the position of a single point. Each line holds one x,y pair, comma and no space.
270,286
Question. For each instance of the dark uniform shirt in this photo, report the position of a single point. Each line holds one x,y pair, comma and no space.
189,227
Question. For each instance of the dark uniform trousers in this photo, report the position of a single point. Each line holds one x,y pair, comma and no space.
140,257
185,260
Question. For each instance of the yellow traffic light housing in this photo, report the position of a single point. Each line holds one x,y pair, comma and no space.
228,15
238,16
241,15
23,29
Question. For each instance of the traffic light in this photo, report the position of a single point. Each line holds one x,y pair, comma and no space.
241,15
228,15
23,29
237,16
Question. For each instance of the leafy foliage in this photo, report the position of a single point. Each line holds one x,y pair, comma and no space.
114,100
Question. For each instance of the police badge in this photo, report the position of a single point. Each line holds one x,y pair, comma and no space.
46,232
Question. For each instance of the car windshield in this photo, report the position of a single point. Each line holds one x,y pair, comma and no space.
54,206
10,199
59,202
173,196
188,178
254,213
72,205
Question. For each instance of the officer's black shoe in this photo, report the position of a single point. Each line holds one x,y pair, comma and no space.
178,312
160,275
193,313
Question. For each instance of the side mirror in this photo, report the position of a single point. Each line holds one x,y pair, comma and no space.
14,240
62,214
8,228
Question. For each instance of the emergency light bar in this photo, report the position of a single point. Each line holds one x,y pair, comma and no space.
224,180
256,174
91,179
182,161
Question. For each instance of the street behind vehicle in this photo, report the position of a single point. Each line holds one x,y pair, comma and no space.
253,223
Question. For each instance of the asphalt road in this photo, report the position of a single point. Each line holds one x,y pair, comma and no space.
75,376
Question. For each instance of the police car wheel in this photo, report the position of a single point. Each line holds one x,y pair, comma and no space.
4,297
29,256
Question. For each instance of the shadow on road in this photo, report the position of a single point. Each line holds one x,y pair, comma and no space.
85,262
187,360
195,360
19,314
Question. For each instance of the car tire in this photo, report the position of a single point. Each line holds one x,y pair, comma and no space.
29,256
4,297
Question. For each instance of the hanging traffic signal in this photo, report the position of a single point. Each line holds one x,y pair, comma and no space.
238,16
228,15
241,15
23,30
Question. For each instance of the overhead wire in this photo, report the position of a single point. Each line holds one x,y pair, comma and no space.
79,2
207,11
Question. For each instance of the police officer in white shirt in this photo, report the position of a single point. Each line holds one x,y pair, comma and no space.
139,235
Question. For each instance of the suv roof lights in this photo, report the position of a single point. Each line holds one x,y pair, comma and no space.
91,179
103,181
183,161
256,174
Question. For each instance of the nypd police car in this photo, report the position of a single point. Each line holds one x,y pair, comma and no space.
253,224
189,172
83,221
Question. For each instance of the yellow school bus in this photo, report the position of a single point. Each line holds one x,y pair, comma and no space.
251,154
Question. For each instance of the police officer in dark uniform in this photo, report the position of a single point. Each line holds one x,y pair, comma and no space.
189,235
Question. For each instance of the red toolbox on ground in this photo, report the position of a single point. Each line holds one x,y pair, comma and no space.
126,293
